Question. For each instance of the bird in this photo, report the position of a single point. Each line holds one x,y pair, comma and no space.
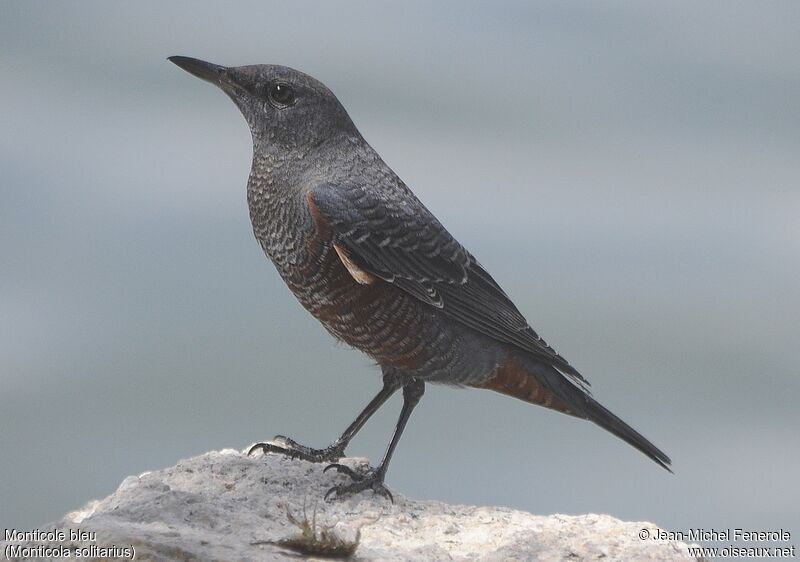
365,257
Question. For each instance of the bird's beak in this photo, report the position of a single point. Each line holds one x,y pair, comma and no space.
214,73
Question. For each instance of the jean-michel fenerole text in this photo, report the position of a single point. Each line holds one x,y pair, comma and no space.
723,535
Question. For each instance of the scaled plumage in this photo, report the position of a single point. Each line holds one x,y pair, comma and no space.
378,270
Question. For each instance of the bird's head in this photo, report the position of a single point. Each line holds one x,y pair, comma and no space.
284,108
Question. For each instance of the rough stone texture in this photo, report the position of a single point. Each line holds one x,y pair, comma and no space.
216,505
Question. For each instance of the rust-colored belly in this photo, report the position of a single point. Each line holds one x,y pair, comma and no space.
375,317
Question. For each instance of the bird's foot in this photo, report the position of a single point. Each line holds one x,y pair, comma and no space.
292,449
371,480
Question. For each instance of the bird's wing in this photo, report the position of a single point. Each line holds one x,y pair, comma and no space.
395,238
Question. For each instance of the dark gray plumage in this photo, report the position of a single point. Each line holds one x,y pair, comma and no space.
366,258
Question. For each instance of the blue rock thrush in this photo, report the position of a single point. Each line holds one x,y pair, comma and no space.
379,271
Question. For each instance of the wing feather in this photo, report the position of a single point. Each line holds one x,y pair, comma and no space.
397,239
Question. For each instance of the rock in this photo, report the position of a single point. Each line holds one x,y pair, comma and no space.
226,506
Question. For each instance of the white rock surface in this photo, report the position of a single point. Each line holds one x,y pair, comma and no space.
214,507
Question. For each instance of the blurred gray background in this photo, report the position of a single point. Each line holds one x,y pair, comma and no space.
628,171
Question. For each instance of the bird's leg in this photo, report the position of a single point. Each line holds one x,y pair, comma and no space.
335,450
373,480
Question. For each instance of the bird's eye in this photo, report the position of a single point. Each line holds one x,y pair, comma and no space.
282,95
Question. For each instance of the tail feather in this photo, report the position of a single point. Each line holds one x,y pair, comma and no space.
582,405
600,415
531,380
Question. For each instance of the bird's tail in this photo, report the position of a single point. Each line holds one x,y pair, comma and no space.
531,380
600,415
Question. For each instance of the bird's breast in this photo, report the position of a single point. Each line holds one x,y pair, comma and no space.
374,317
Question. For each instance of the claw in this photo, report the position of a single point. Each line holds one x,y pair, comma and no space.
383,491
272,448
342,469
265,448
293,449
333,490
372,481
